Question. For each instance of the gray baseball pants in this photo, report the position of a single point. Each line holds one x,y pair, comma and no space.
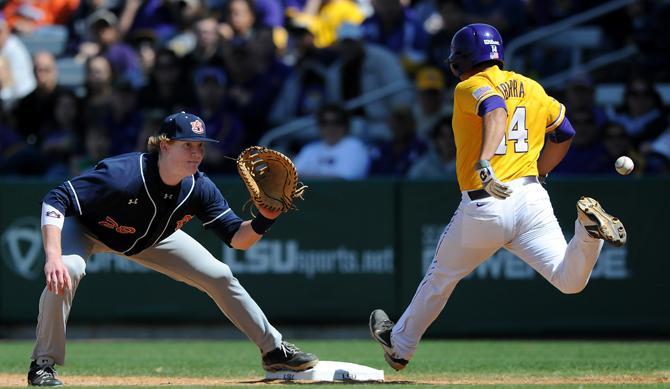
180,257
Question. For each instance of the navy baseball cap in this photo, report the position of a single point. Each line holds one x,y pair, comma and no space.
185,126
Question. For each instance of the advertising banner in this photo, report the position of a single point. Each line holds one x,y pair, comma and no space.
356,246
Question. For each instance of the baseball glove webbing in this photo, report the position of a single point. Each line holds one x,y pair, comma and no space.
270,177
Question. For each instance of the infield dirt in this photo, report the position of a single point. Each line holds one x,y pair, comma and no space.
19,380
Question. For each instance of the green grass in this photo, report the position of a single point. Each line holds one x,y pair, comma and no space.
434,360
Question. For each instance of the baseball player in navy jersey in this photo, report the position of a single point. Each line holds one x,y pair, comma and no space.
501,120
135,205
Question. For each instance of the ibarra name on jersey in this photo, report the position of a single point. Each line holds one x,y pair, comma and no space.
511,88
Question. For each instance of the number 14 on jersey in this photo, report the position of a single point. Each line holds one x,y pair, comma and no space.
517,132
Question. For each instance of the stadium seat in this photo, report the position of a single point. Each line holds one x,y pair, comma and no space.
47,38
71,73
575,40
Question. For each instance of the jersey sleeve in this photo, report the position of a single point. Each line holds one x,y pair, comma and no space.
555,114
472,92
555,110
88,191
215,213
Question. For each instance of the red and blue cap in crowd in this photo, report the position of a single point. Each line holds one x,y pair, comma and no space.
185,127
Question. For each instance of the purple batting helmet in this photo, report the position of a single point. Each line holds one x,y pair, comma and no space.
474,44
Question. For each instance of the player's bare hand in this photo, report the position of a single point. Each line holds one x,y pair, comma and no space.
492,185
57,276
268,213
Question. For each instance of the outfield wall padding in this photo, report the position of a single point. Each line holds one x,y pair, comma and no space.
355,246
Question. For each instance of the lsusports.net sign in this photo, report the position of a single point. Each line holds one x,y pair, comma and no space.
287,257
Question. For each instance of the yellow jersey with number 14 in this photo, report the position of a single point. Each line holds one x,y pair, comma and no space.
531,114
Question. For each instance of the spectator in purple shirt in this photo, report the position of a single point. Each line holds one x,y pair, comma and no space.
255,72
151,15
396,28
99,80
208,49
509,16
106,40
123,120
17,156
642,114
587,153
166,89
60,136
221,122
270,13
396,156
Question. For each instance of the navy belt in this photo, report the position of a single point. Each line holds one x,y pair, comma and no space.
482,194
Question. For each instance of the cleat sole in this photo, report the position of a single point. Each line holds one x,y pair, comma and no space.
610,228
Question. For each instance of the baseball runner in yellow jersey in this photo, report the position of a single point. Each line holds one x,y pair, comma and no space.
501,120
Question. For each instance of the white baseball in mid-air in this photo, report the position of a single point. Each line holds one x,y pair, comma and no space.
624,165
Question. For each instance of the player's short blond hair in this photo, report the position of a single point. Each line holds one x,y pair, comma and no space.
154,142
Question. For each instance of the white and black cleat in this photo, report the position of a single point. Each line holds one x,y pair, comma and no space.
380,330
599,224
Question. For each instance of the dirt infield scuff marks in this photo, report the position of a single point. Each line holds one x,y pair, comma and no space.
15,380
19,380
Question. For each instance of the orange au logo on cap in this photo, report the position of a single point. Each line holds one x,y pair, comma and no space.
197,127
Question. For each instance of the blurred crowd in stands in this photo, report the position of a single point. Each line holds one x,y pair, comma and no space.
248,66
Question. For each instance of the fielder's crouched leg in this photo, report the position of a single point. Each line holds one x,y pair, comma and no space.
250,319
54,310
184,259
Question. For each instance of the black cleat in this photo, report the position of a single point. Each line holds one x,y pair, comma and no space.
288,357
42,375
598,223
380,329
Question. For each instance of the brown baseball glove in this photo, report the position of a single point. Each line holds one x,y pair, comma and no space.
270,177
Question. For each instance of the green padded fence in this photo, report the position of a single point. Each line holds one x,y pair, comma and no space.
355,246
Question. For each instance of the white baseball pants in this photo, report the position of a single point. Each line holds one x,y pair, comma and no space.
180,257
524,224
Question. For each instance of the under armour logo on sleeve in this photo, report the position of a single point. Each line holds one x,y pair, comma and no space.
132,201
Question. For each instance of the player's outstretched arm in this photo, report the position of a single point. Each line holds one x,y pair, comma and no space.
251,231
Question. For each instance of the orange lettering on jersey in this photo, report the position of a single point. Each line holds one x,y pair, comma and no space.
113,225
125,230
109,223
184,220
